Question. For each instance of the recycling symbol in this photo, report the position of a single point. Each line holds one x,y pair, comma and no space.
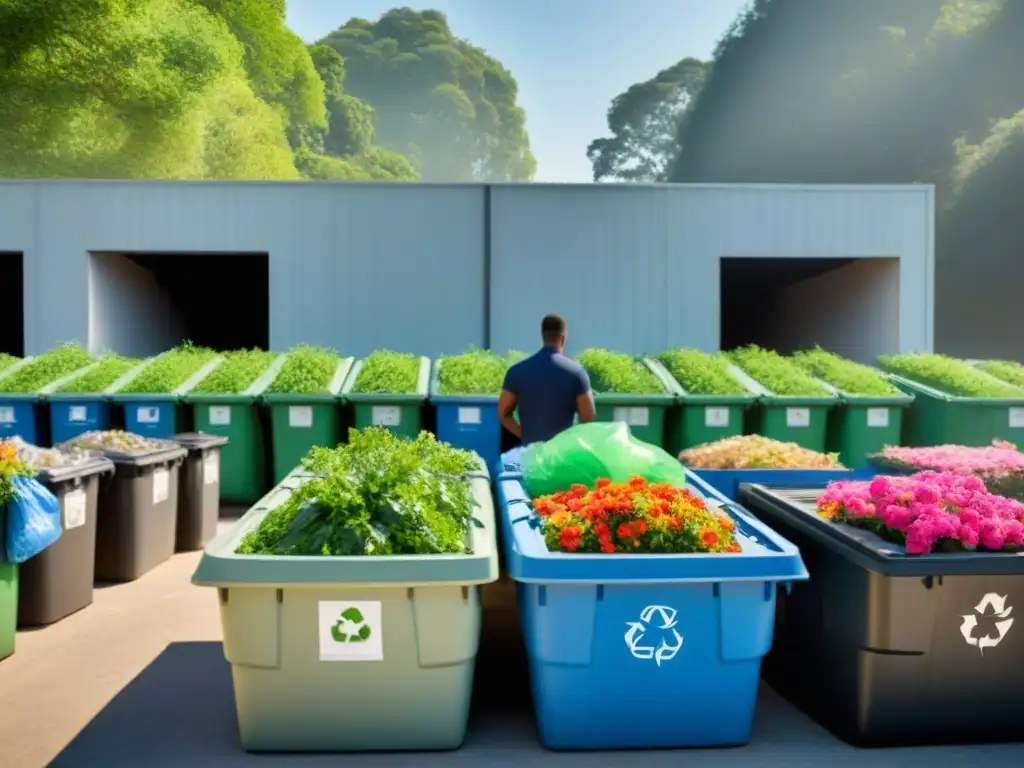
351,627
992,612
666,623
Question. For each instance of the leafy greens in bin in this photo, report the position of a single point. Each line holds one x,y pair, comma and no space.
47,368
377,495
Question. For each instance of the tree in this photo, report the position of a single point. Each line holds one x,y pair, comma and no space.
438,100
644,123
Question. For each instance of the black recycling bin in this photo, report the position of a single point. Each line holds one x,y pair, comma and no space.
138,513
889,649
58,581
198,489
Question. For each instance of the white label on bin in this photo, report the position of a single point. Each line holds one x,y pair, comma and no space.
7,415
300,416
350,630
996,613
211,468
469,416
386,415
77,414
715,416
635,417
74,509
161,485
798,417
147,414
1016,418
220,415
655,635
878,417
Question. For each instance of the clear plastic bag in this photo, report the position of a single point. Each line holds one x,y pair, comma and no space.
587,452
33,520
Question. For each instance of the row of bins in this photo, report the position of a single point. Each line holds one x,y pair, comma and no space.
121,516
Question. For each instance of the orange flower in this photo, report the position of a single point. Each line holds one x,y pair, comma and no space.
708,537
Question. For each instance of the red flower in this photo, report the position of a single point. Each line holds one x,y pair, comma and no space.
640,527
624,531
603,482
708,537
569,538
607,546
733,548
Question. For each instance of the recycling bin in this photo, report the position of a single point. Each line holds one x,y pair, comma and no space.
305,635
645,414
679,637
158,415
198,490
401,414
800,419
58,581
137,513
469,422
8,593
889,649
727,481
21,414
300,422
859,426
72,414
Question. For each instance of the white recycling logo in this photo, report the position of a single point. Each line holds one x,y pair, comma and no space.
635,635
992,606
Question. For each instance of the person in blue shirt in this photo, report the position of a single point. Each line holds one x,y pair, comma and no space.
548,388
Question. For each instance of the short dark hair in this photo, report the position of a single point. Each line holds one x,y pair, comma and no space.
551,328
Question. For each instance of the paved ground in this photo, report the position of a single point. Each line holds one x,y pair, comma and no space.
139,679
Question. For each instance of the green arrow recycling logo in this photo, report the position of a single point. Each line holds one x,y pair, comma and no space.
350,630
351,627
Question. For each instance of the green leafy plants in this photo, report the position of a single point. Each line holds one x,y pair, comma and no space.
1009,371
377,495
236,373
700,373
474,372
306,371
109,369
169,371
6,361
618,373
775,373
46,369
390,373
948,374
845,375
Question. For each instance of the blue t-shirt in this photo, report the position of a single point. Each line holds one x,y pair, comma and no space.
546,386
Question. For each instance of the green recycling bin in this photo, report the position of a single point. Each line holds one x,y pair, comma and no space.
243,462
298,422
645,414
800,419
860,425
400,413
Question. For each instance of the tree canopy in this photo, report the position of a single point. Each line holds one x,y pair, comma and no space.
644,123
440,101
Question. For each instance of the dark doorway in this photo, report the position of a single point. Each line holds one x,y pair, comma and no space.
12,329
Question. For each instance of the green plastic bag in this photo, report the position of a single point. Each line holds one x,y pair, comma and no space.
587,452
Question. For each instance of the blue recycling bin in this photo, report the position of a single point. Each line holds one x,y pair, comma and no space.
72,415
469,422
674,640
727,481
21,416
153,416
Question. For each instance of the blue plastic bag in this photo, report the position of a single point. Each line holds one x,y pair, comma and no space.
33,520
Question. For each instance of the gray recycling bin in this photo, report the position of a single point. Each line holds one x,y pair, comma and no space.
138,513
198,489
58,581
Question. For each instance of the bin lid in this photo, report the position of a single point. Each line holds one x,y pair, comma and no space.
148,458
199,441
94,465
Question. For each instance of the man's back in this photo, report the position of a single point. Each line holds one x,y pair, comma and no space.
546,387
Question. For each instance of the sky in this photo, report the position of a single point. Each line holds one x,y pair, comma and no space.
570,57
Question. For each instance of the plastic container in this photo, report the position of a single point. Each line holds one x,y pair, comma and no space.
469,422
74,414
297,689
402,414
586,619
701,419
198,490
860,425
138,513
158,416
243,476
58,581
298,422
886,649
645,414
8,594
21,414
727,481
800,419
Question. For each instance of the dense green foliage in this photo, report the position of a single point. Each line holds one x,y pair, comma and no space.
105,372
169,371
618,373
845,375
46,369
387,372
236,373
775,373
699,373
1009,371
6,361
948,374
440,101
306,371
377,495
474,372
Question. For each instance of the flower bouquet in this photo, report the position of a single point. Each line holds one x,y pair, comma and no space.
1000,465
635,516
756,452
927,511
11,466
